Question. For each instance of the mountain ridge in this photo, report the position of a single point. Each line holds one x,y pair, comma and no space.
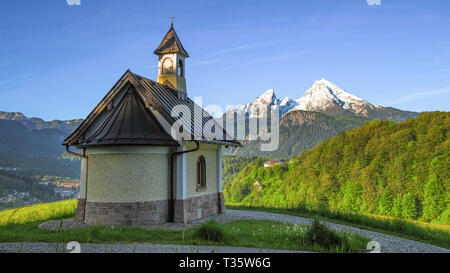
323,96
34,123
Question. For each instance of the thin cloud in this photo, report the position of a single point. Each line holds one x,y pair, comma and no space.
241,48
210,59
419,95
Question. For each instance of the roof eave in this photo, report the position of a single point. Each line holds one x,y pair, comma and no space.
163,52
220,142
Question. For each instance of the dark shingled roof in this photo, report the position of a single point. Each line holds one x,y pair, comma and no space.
130,123
167,98
171,44
120,127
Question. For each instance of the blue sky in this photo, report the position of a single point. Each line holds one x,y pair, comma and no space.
57,61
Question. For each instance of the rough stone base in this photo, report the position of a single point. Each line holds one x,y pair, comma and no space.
79,214
199,207
126,213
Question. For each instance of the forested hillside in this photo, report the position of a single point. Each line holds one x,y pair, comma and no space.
232,165
301,130
386,168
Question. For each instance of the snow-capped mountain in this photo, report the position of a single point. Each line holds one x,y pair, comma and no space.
287,104
253,109
324,96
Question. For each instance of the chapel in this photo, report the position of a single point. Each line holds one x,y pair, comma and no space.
149,153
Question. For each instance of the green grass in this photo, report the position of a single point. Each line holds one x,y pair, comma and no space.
21,225
435,234
39,212
243,233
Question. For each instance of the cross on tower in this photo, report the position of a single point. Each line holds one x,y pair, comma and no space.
171,20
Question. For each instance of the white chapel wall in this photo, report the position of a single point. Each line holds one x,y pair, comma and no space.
128,174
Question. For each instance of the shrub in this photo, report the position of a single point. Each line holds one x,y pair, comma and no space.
321,235
211,231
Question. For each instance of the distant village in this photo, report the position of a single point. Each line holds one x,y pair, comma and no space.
63,188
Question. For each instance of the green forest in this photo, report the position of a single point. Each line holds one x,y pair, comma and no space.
384,168
232,165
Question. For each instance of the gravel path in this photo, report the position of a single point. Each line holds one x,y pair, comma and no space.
388,243
131,248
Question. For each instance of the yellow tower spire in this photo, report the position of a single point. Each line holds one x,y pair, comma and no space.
171,62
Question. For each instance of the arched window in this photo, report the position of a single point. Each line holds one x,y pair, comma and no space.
201,173
180,68
167,66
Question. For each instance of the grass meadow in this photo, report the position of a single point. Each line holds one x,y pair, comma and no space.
436,234
21,225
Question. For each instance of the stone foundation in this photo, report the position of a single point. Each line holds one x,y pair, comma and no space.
148,212
199,207
126,213
79,214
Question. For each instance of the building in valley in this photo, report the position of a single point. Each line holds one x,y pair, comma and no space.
274,162
142,161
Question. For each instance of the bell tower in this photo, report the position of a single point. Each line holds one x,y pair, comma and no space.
171,64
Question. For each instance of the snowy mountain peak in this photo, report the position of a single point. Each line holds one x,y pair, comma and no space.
286,105
338,91
324,94
268,98
285,101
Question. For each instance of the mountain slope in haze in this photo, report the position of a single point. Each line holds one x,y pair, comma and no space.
37,123
385,168
34,151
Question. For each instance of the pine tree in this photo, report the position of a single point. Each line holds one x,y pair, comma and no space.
433,197
409,210
352,197
397,206
386,203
